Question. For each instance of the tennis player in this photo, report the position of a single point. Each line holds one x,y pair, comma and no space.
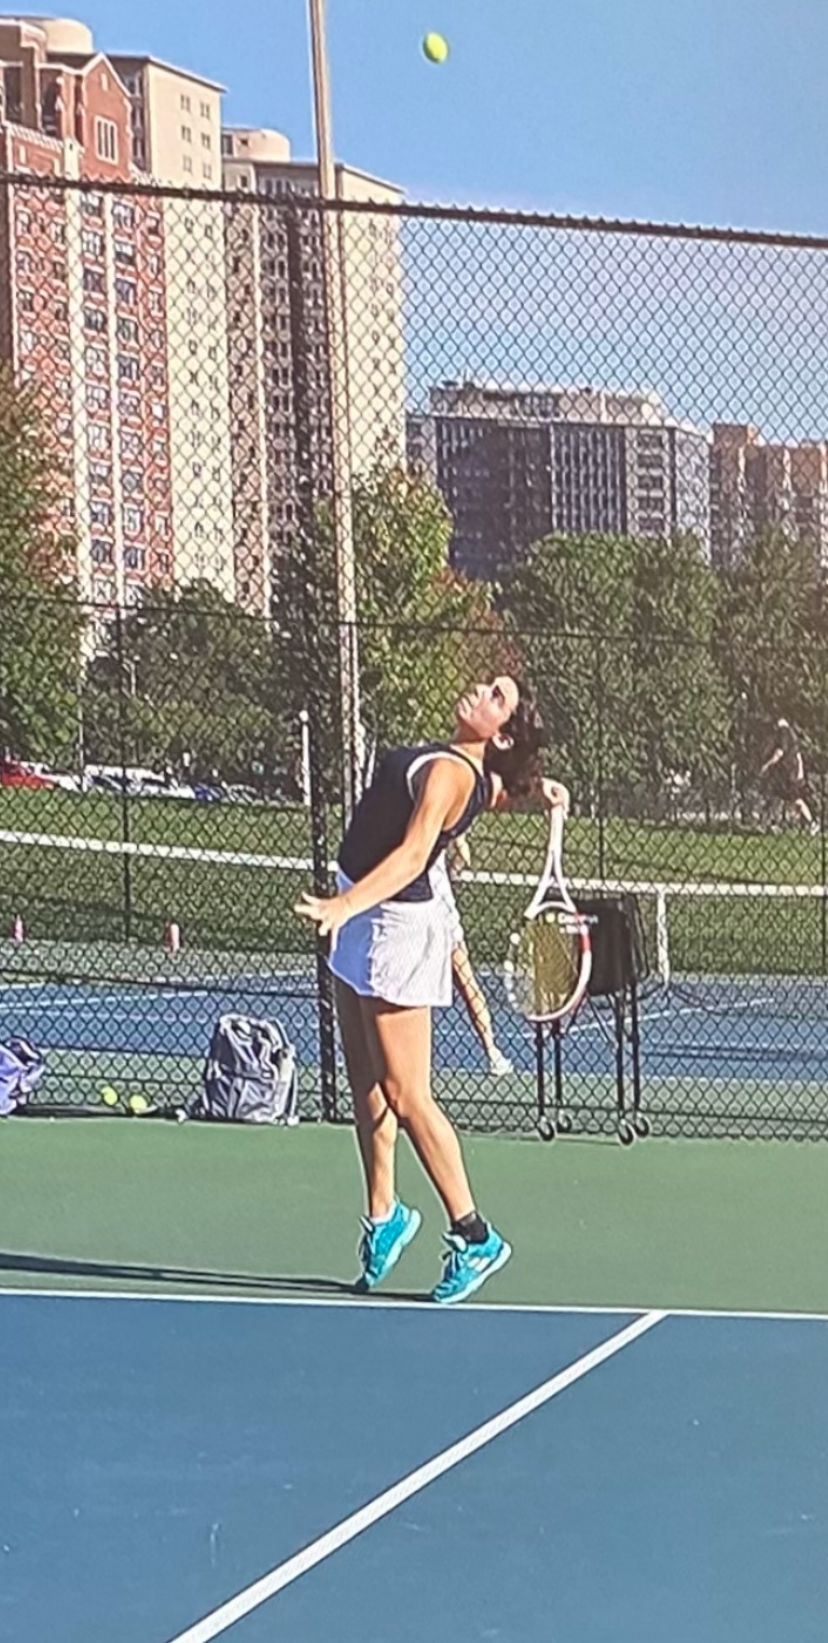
786,768
391,946
452,860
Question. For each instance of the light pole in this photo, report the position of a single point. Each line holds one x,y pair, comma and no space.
332,266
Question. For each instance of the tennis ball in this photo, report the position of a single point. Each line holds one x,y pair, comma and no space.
138,1104
109,1097
435,48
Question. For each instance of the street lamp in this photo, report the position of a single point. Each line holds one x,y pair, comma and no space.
332,266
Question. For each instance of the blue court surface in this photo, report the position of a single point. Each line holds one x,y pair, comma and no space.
757,1029
383,1473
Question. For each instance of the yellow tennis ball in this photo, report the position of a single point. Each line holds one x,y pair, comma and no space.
138,1104
109,1097
435,48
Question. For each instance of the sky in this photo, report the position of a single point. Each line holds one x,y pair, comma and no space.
711,112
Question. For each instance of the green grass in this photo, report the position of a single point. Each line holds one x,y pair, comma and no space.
69,895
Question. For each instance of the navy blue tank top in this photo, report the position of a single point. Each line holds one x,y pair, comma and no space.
380,821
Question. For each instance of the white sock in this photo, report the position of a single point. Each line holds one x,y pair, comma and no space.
380,1220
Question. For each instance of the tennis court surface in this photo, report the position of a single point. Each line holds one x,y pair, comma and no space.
204,1435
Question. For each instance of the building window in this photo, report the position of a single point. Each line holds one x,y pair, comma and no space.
93,280
155,264
185,102
186,134
92,243
123,214
159,448
97,436
134,559
133,519
101,551
130,444
97,397
129,369
94,319
156,339
187,163
156,304
95,360
129,405
100,513
124,251
106,139
58,233
24,222
126,292
206,111
27,302
133,482
26,342
206,140
207,171
161,524
92,204
157,376
154,226
100,474
126,329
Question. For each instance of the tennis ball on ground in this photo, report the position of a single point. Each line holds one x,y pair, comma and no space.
435,48
109,1097
138,1104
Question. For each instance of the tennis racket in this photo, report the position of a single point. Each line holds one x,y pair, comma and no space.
549,961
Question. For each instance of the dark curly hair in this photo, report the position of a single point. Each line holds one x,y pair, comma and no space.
518,765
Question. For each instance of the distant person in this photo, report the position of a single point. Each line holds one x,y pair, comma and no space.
785,768
457,856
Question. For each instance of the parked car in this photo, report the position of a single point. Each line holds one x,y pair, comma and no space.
16,773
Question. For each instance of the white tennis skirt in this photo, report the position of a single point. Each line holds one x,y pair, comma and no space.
442,888
398,951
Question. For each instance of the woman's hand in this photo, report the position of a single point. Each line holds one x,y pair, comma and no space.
554,794
328,913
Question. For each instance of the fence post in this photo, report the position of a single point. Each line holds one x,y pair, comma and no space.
599,771
126,863
304,544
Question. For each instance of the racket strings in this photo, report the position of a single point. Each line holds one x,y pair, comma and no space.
545,964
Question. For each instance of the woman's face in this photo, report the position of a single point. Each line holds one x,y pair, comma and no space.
483,710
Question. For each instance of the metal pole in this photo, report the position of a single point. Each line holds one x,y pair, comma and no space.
332,264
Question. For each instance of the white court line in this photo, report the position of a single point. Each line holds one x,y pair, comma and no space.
384,1303
252,1597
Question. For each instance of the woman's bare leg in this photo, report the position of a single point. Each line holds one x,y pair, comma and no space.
403,1040
376,1125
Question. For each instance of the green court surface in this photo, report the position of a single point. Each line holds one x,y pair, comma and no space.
161,1208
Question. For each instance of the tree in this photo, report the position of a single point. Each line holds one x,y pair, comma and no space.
424,631
42,622
679,700
618,634
186,683
571,600
771,644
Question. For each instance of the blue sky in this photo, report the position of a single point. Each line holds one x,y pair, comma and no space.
712,112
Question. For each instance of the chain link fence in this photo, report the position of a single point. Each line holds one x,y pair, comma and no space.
277,481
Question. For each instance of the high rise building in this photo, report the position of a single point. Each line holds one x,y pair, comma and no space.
516,464
262,338
82,303
757,486
176,127
116,304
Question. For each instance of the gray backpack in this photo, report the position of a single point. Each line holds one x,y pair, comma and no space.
249,1075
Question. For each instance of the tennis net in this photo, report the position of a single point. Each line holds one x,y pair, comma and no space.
737,972
100,907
